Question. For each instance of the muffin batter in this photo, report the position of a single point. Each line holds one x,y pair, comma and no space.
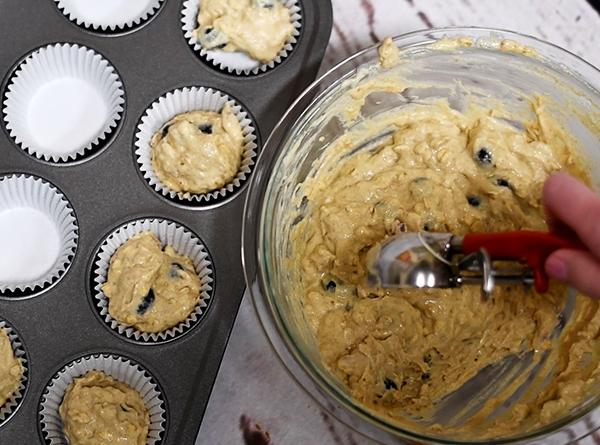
389,56
199,151
149,288
399,352
11,369
259,28
99,410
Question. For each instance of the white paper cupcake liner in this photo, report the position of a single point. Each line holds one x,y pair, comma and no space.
101,16
20,191
62,101
169,233
237,62
119,368
184,100
12,404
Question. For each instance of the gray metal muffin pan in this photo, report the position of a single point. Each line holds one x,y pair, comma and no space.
106,189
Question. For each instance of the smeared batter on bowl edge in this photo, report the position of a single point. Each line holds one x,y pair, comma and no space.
400,352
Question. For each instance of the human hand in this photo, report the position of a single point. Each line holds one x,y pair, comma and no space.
574,210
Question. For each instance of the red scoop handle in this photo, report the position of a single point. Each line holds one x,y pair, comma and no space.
526,246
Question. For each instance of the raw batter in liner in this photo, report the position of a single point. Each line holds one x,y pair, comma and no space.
199,151
149,288
11,369
258,27
99,410
401,351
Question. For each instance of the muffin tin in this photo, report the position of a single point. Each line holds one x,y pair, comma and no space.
59,323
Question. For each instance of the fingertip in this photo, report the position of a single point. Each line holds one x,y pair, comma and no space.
556,266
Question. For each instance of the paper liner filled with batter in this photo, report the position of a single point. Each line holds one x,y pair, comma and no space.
21,193
181,101
62,101
13,403
108,16
237,62
169,233
119,368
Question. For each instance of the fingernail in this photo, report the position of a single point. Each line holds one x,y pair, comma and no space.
556,268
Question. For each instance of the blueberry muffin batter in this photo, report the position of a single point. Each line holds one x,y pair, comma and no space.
199,151
399,352
11,369
99,410
150,288
259,28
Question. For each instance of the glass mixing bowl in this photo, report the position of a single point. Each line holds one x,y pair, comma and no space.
307,130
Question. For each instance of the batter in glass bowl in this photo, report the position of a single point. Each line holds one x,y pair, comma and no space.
399,352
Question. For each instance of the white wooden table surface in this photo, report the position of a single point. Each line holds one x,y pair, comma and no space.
251,384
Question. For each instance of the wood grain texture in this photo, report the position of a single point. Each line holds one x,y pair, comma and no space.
571,24
251,381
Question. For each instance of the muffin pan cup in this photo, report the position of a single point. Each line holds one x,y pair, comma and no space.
169,233
104,16
20,194
107,190
119,368
184,100
47,117
13,403
238,63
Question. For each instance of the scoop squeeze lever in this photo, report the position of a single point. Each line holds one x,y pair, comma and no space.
532,248
443,260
